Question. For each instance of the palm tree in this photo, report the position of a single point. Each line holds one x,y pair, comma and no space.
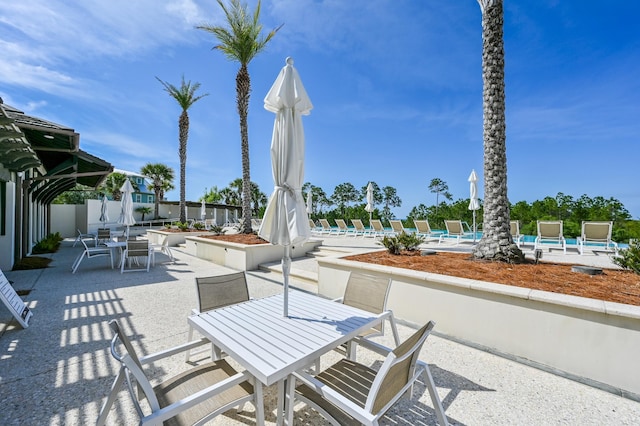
114,182
185,95
241,42
161,177
496,242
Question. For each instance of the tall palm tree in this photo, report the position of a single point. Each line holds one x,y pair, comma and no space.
496,242
185,95
114,182
161,177
241,42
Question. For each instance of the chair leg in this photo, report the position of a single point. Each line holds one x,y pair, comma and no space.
106,407
74,268
435,399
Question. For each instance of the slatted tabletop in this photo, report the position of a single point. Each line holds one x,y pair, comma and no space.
271,346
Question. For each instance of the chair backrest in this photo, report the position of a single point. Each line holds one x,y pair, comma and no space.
137,248
550,229
325,224
104,233
221,290
312,224
341,224
514,226
596,231
397,371
377,225
397,226
454,227
422,226
367,292
357,224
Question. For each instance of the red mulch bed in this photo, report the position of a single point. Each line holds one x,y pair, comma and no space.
612,285
248,239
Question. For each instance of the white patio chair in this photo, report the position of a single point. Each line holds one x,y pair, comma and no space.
352,393
163,247
103,235
216,292
90,253
369,293
550,231
326,227
343,228
135,250
82,236
192,397
597,235
397,227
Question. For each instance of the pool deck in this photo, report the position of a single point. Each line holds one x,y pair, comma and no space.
59,370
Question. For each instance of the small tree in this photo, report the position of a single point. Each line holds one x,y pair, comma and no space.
161,177
438,186
144,210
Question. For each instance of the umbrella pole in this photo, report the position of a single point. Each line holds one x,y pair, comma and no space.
286,267
474,226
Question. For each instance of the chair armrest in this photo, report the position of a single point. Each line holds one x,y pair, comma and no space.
373,346
172,351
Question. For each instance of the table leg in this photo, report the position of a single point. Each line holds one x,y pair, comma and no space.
290,393
280,403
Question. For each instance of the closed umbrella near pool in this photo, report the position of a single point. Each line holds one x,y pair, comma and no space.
285,220
309,202
369,206
203,211
104,214
474,204
126,203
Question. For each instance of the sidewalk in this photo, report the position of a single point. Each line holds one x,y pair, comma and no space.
59,370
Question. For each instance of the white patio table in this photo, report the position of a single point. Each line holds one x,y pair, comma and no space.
113,245
271,346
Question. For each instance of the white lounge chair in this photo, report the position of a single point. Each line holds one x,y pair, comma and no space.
598,236
455,229
352,393
90,253
378,229
359,228
423,229
82,236
192,397
326,227
397,227
343,228
550,232
514,226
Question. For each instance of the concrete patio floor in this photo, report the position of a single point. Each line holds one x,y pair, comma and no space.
59,370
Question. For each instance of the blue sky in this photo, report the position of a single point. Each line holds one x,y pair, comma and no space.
396,88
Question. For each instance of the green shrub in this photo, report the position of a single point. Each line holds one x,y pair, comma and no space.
629,258
183,226
216,229
198,225
48,244
404,241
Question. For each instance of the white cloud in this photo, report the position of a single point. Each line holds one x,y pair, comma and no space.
43,41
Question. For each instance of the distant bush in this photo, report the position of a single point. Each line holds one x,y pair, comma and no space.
629,258
49,244
198,225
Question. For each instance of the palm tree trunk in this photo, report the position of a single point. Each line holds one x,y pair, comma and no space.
243,91
496,242
183,125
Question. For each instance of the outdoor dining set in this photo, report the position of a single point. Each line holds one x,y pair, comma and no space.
274,349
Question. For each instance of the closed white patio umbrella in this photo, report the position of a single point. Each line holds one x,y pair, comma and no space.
369,207
104,214
285,220
309,202
474,204
126,203
203,210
